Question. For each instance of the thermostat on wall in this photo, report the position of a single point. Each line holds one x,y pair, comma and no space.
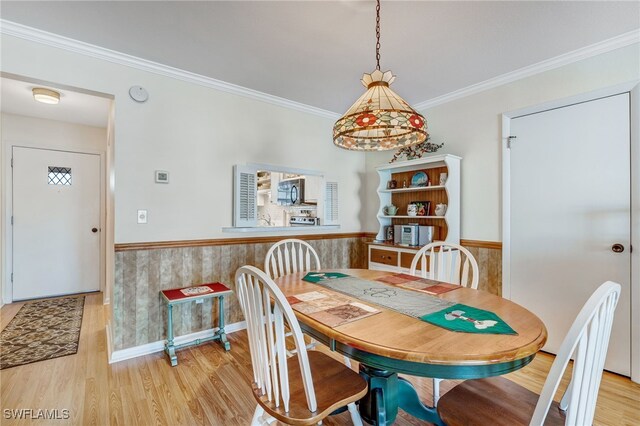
162,176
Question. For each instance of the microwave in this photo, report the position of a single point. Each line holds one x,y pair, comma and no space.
291,192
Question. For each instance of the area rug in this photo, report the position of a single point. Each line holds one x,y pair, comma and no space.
42,330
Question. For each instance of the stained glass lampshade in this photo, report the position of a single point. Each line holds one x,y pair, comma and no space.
379,120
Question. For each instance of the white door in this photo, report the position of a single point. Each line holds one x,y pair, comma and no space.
56,221
570,203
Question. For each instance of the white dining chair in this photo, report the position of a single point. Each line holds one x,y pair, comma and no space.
498,401
289,256
300,390
446,262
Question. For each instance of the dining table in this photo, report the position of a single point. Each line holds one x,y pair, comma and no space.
390,343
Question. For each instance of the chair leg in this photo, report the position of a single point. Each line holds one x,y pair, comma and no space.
355,414
436,391
347,361
257,417
564,402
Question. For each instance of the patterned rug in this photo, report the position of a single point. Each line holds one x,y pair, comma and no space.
42,330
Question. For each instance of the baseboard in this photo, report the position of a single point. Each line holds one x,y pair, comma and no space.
107,331
153,347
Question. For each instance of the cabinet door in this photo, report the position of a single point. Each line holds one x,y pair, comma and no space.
312,189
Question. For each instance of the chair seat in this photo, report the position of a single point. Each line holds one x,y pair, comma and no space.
335,385
493,401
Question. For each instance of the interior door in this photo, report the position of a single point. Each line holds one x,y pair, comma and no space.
56,223
570,204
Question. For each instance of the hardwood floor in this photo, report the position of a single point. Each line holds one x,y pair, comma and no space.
209,386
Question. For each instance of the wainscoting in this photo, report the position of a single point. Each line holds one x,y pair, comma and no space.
488,254
142,270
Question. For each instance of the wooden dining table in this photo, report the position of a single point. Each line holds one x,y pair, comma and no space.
390,342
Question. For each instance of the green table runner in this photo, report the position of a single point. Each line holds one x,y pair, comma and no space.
316,277
469,320
436,311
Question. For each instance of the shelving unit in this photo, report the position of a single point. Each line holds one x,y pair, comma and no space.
447,226
384,255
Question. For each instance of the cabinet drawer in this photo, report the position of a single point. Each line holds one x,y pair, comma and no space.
384,256
407,258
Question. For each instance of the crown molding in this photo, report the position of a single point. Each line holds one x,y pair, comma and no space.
54,40
617,42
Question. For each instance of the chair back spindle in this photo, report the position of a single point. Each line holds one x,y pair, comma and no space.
289,256
266,332
587,341
446,262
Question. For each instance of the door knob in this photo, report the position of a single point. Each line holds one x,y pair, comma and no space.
617,248
94,230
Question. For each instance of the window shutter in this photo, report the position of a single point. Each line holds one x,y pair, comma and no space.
331,203
245,208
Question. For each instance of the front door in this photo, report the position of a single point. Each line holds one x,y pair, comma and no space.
570,215
56,223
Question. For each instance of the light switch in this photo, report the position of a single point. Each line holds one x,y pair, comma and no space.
142,216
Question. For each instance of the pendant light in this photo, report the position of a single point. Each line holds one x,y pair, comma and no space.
379,120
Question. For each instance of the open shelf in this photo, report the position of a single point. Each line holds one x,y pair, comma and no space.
412,217
414,189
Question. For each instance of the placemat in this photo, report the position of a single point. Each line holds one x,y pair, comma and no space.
408,302
423,285
468,319
329,308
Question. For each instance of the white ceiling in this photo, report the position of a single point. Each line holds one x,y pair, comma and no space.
315,52
74,107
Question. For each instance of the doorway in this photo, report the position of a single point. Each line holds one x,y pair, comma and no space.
567,194
56,222
62,153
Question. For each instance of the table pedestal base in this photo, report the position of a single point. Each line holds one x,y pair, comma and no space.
388,392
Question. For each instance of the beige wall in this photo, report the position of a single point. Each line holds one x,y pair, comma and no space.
471,127
197,134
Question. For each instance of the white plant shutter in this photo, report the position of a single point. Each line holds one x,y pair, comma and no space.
245,203
331,203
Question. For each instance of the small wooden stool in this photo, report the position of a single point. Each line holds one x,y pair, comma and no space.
194,294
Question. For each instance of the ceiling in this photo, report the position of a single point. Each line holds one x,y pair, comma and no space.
74,107
315,52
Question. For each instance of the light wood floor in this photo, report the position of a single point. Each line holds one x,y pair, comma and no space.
208,386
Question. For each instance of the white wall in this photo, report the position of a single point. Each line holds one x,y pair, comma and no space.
195,133
471,128
29,131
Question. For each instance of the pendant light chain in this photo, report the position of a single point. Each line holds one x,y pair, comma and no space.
379,120
377,34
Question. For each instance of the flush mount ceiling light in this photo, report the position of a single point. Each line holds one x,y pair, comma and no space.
46,96
379,120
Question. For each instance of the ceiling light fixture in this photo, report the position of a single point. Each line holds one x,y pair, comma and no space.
379,120
46,96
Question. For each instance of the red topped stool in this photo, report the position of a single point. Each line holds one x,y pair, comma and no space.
194,294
